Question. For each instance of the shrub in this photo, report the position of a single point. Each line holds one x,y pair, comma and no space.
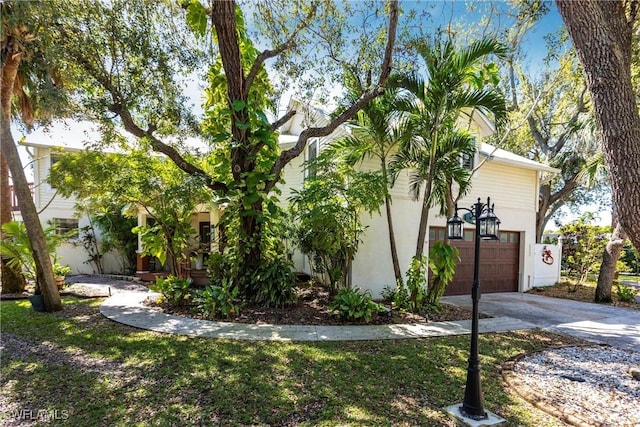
217,301
416,283
275,281
353,304
175,290
625,293
443,259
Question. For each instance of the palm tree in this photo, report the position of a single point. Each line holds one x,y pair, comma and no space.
16,55
454,88
375,134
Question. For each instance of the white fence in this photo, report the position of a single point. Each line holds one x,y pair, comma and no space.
546,264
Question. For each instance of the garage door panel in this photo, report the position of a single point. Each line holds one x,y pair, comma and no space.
498,269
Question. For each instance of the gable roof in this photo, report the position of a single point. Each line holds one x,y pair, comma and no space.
508,158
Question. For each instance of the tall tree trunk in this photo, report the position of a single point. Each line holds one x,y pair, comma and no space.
422,228
602,35
392,241
44,269
608,266
13,280
392,235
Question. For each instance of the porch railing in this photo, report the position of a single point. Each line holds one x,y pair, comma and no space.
14,198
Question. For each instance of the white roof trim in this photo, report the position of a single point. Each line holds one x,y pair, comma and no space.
506,157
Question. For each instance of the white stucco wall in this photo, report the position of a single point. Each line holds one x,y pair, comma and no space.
51,205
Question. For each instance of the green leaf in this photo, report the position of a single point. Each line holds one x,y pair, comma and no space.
197,18
243,126
239,105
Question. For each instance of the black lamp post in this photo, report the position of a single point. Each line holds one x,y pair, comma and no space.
487,225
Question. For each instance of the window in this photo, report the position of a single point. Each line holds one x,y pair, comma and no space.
66,226
53,158
205,232
312,154
468,161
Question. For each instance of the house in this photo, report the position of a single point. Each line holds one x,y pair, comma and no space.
512,182
507,265
43,148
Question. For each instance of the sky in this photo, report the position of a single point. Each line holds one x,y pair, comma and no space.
441,12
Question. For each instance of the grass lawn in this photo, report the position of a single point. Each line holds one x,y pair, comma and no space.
85,370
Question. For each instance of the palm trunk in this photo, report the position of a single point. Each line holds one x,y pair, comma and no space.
392,236
44,269
424,214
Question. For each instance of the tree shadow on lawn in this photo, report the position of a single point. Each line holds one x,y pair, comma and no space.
157,379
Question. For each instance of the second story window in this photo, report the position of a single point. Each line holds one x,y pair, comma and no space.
468,161
54,159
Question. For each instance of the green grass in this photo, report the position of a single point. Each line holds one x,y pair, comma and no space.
157,379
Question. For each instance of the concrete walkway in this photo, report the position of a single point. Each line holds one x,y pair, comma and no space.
598,323
128,308
619,327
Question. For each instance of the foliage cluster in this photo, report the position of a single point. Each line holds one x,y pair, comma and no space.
420,294
215,301
175,290
354,304
625,293
16,246
582,247
327,211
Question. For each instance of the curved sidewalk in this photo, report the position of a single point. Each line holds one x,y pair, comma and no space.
128,308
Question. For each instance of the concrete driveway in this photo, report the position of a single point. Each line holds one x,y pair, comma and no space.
619,327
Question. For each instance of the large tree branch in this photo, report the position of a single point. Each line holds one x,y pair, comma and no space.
570,127
159,146
274,127
267,54
130,126
314,132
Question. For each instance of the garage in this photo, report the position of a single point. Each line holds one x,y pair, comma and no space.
499,262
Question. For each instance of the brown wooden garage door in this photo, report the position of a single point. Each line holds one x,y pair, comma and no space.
499,262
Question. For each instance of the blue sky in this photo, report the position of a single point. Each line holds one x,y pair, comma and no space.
441,13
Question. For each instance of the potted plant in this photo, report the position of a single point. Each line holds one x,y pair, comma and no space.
59,273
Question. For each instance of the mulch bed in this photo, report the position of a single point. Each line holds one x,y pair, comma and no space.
311,308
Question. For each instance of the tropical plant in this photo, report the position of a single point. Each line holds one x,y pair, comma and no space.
374,133
328,212
433,109
443,259
276,282
354,304
17,247
417,284
31,89
175,290
60,270
625,293
151,184
217,300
